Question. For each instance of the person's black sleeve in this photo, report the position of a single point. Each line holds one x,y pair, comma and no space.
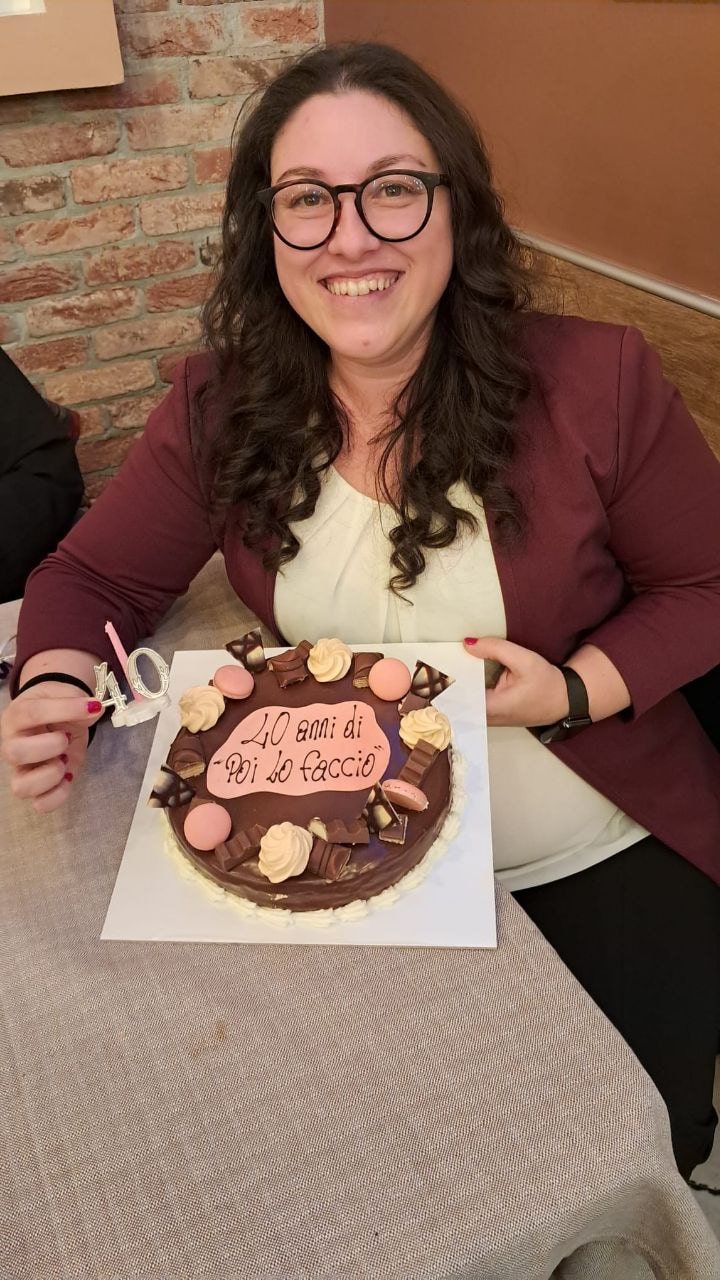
41,485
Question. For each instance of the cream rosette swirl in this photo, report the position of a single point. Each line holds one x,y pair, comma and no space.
427,723
329,660
284,851
201,707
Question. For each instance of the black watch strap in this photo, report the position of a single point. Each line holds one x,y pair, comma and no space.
578,716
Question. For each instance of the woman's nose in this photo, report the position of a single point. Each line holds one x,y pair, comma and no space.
350,237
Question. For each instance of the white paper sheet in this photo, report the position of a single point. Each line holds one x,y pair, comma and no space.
159,897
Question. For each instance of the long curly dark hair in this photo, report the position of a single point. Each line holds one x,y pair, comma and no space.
279,424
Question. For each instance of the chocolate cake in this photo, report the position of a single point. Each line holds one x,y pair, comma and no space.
311,779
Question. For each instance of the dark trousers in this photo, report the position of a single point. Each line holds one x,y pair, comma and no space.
641,933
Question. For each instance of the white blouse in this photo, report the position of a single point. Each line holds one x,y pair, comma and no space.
547,822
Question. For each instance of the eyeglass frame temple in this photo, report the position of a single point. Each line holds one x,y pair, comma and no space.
431,181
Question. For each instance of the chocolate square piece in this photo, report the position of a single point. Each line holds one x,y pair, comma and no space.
169,790
428,682
378,812
249,651
396,832
411,702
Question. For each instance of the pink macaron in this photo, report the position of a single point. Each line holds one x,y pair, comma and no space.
206,826
389,679
233,682
404,795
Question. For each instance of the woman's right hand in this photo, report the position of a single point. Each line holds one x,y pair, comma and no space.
43,737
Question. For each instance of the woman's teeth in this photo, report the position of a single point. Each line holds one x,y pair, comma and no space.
355,288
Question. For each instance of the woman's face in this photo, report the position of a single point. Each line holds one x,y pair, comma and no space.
347,137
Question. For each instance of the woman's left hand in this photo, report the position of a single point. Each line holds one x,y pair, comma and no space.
530,690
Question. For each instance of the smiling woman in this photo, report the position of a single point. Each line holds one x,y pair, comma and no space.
389,442
340,258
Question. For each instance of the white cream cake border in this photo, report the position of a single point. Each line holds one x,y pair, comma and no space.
283,918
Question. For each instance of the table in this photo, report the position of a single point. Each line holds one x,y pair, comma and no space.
305,1113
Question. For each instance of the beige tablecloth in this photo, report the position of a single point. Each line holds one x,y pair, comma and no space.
305,1113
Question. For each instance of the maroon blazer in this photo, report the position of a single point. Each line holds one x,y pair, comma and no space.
623,498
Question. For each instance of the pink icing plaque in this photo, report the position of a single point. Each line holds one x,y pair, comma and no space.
296,750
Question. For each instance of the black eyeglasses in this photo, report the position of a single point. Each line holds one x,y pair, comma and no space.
394,205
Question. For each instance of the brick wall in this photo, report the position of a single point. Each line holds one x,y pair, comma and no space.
110,201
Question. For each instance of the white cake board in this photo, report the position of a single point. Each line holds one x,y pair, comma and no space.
154,899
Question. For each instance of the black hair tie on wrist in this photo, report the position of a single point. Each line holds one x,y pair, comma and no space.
63,678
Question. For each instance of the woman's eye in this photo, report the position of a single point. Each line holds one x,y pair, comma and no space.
308,199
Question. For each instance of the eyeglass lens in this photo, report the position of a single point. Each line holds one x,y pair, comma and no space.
395,206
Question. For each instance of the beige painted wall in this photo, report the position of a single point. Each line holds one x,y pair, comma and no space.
601,116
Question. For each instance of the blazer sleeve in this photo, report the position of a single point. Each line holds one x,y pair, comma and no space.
137,549
663,508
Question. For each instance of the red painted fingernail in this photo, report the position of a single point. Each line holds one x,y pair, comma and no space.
471,639
64,758
68,777
94,706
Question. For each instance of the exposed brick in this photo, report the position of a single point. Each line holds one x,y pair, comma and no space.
197,3
93,420
167,363
179,292
130,414
223,77
139,261
284,24
31,195
49,357
181,126
9,331
172,36
181,213
146,335
116,178
8,248
212,164
50,143
94,454
36,280
21,108
56,235
80,312
97,384
148,88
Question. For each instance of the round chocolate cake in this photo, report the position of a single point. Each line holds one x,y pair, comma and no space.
290,783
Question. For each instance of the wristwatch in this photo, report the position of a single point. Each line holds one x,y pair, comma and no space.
578,716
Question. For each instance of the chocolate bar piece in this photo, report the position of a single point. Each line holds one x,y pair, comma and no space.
411,702
418,764
186,756
243,846
339,832
378,812
362,662
428,682
396,832
289,667
249,651
328,860
169,790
